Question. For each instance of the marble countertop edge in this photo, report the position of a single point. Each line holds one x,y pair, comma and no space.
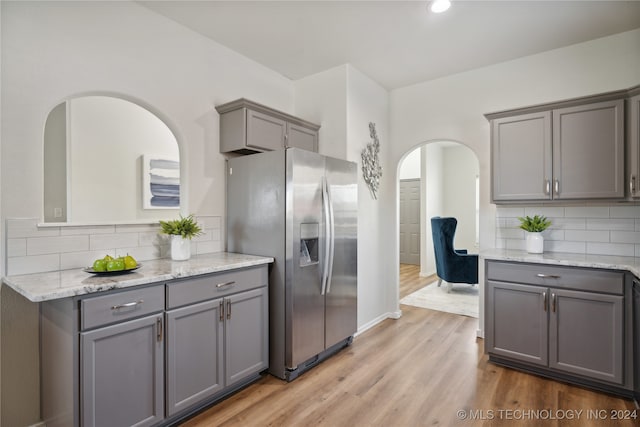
608,262
40,287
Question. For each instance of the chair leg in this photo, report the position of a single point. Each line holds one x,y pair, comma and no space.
449,287
439,282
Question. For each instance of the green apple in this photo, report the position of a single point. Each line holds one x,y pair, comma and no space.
115,265
100,265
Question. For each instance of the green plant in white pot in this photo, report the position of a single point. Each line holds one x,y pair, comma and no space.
534,228
181,231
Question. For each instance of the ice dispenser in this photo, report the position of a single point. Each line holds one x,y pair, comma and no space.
309,244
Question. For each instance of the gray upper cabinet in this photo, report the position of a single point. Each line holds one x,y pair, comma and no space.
633,144
588,151
569,150
248,127
521,157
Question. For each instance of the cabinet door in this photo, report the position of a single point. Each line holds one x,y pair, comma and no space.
517,322
586,334
633,129
265,132
194,354
302,137
246,334
121,378
521,157
588,151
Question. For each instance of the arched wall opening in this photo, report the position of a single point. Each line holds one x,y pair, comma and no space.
437,178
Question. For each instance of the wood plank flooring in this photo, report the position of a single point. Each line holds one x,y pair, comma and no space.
419,370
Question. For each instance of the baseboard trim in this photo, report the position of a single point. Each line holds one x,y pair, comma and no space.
39,424
388,315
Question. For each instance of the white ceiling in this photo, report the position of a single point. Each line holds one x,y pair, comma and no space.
397,43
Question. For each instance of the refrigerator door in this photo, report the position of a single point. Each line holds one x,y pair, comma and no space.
305,248
342,287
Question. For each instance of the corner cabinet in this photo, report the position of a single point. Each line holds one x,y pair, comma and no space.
248,127
564,322
570,150
152,355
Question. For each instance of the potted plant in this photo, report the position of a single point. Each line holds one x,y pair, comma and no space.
181,231
534,228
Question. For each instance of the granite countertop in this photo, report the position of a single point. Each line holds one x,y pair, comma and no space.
40,287
609,262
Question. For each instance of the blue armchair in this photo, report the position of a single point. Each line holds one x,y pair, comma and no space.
453,266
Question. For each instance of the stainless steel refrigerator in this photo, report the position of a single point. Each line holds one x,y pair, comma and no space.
300,208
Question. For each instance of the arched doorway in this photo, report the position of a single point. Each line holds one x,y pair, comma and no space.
436,178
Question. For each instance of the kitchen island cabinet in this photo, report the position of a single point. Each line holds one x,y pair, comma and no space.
151,353
563,322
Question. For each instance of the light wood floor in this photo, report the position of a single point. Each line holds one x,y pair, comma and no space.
419,370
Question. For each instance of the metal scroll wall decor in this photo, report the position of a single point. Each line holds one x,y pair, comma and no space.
371,168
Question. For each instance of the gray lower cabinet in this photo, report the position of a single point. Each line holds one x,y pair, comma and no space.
122,374
150,355
248,127
518,322
586,334
212,346
194,354
561,321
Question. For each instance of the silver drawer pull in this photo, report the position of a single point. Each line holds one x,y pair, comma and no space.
547,276
129,304
222,285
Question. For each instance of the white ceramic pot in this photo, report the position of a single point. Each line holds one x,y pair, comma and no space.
180,248
535,243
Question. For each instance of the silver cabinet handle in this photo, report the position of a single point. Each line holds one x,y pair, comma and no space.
129,304
159,328
556,186
553,302
222,285
632,184
228,309
547,276
544,301
221,310
547,187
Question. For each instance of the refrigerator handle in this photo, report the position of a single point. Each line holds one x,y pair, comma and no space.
332,242
327,232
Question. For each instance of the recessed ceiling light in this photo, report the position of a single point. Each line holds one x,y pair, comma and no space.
439,6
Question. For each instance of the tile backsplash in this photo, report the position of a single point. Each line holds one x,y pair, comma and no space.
33,249
594,230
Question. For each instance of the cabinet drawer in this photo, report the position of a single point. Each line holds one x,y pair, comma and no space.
116,307
585,279
216,285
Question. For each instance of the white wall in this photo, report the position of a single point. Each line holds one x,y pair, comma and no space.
411,168
456,104
322,99
367,102
343,101
433,159
53,50
459,190
107,139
